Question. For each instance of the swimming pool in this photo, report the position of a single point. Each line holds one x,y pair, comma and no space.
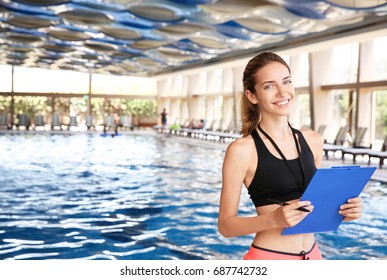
136,196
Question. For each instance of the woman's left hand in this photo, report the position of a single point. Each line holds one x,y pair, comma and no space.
352,209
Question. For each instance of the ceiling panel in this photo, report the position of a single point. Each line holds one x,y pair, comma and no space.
134,37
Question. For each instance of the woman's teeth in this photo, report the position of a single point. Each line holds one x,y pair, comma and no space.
282,103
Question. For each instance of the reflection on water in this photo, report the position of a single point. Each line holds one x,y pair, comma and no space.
136,197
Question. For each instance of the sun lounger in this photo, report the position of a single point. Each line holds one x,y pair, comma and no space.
73,122
321,129
110,123
381,155
337,145
356,144
378,154
55,122
4,123
39,121
89,122
126,122
23,121
357,149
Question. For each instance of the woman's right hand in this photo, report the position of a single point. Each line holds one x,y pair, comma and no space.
289,216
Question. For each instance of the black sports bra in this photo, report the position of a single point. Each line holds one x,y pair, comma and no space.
280,179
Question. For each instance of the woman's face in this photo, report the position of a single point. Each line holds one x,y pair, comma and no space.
274,91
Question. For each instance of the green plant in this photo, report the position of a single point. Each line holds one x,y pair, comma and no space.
5,103
140,107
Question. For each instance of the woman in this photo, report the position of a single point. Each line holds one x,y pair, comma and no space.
275,162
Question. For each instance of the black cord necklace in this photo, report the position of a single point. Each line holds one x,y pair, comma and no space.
300,184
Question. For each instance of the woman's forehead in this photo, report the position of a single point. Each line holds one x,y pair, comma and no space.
272,71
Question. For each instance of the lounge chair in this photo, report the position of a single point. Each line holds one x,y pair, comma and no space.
337,145
126,122
23,121
227,127
185,123
209,125
109,123
218,125
4,124
55,122
89,122
321,129
356,144
357,149
381,155
39,121
73,122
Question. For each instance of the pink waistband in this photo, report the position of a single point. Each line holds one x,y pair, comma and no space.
258,253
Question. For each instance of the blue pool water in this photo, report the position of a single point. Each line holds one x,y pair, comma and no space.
140,197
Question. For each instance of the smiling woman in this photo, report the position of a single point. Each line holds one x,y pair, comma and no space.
274,161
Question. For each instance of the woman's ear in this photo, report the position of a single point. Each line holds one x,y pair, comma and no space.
251,97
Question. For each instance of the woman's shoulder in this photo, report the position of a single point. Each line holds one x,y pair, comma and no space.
311,135
241,146
313,138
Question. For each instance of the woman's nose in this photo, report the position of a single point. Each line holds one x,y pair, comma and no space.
282,90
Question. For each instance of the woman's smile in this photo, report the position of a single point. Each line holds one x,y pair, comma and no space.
282,103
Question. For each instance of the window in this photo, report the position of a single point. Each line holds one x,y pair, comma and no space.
50,81
5,78
380,59
108,84
301,116
380,114
345,63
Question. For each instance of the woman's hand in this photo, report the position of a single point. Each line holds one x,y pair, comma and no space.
352,209
288,216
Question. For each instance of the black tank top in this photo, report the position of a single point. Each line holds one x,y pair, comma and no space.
274,180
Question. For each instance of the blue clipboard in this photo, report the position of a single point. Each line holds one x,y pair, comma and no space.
328,189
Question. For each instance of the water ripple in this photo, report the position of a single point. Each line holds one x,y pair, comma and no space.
136,197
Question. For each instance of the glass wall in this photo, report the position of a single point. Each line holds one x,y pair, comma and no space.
122,85
33,92
380,59
345,64
301,115
49,81
344,109
380,114
5,78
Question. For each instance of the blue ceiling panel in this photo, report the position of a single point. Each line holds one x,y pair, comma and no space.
149,37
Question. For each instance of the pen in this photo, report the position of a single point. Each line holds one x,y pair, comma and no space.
283,203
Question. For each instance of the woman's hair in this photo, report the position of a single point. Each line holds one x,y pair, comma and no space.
251,113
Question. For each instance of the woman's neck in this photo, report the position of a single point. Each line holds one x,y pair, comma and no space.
277,129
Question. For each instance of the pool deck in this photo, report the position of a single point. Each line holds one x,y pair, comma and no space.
334,160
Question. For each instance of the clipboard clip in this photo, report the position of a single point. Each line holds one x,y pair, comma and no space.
347,167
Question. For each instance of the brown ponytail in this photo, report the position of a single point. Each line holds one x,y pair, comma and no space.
251,113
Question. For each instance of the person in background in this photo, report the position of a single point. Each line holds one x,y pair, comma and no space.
200,124
193,125
164,117
275,162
